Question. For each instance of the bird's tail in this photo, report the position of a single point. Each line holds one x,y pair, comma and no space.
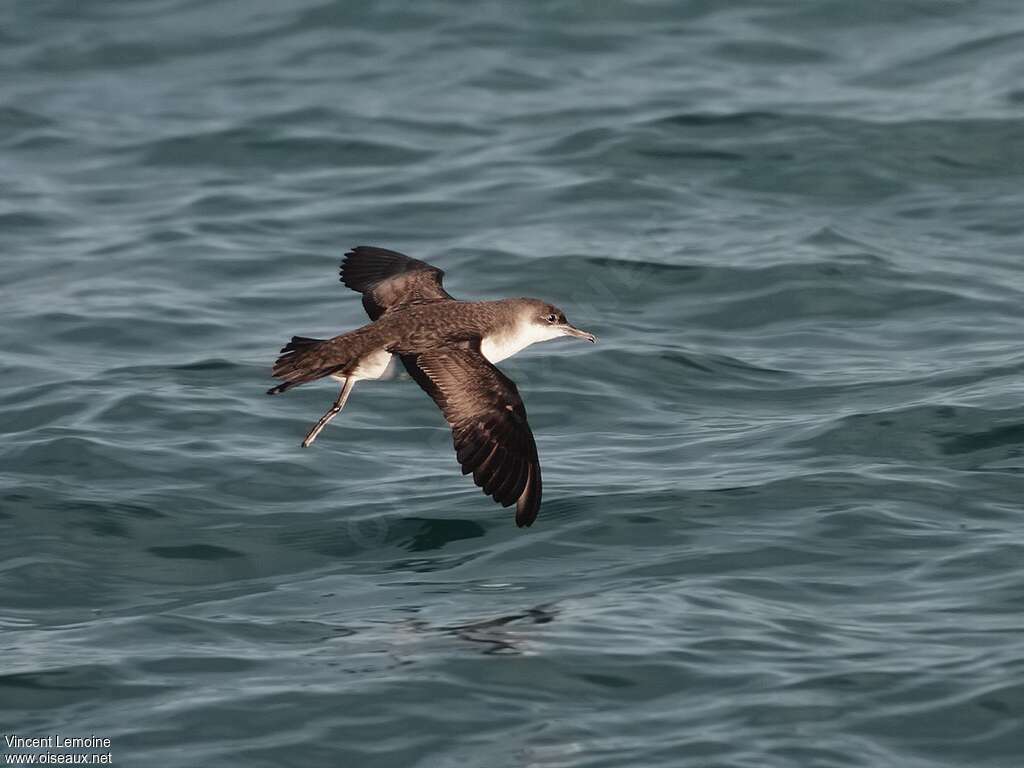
304,359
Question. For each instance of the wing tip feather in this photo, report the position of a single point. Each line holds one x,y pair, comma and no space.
528,504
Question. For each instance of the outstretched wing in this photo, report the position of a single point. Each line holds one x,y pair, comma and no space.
386,278
492,437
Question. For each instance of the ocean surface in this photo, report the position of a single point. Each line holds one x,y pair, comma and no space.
783,521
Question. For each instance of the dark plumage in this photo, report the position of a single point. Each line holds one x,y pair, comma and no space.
449,347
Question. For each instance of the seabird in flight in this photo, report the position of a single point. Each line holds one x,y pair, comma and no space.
449,347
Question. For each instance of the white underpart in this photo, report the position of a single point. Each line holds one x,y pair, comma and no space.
382,364
375,365
499,346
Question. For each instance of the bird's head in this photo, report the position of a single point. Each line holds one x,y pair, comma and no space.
546,321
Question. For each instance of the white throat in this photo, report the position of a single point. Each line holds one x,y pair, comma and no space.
498,346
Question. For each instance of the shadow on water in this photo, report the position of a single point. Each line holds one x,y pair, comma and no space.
421,535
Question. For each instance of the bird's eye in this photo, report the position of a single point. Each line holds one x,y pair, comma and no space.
552,318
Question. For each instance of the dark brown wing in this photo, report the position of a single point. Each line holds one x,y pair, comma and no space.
492,437
386,278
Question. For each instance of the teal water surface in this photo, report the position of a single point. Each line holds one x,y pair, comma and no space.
784,505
